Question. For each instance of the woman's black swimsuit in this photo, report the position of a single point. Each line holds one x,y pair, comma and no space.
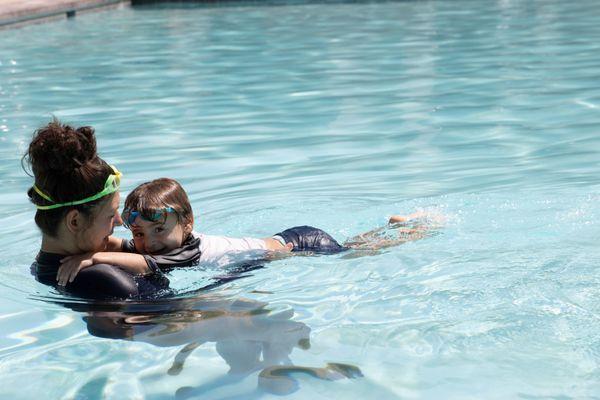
101,281
104,281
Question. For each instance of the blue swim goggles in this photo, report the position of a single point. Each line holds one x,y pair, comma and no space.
129,216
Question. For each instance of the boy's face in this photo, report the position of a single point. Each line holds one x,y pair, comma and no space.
160,236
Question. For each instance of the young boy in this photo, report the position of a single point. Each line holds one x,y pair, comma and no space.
160,217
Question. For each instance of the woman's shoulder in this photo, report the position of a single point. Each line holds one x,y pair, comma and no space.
45,267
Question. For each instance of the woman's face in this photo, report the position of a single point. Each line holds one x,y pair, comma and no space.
103,221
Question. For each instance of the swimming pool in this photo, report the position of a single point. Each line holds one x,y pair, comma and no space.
335,116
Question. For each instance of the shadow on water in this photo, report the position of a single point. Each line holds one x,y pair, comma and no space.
248,335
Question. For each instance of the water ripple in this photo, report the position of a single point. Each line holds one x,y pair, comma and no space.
336,116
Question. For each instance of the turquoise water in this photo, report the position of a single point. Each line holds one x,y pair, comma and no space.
336,116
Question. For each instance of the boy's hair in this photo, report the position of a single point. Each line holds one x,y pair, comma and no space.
158,194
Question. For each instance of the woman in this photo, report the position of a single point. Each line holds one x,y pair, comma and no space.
76,194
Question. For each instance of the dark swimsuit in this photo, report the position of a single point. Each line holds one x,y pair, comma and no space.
185,256
307,238
101,281
104,281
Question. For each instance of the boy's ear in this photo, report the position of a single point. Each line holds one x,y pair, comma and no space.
74,221
188,227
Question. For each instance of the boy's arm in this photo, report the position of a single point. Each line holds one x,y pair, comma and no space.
70,266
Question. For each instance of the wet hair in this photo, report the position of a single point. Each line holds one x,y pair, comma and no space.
67,168
158,194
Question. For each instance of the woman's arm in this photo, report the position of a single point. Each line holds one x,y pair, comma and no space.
114,244
133,263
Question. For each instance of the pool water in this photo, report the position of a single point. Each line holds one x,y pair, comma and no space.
333,115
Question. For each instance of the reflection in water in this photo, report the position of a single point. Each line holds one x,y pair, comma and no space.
278,379
249,336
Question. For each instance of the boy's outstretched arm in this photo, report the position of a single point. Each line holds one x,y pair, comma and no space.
71,265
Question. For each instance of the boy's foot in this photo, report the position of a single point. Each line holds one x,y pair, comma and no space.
394,219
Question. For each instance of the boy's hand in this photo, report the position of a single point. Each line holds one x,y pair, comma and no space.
71,266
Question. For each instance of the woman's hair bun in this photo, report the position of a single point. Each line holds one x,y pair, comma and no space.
62,148
66,168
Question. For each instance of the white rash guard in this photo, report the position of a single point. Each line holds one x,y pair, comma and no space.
222,250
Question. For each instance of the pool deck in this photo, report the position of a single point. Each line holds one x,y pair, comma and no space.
14,13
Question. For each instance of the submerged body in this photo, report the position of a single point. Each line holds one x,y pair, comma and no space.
106,281
101,281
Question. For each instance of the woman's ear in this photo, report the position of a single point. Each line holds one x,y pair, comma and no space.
74,221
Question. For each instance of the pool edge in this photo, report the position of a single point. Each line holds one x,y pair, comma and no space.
13,15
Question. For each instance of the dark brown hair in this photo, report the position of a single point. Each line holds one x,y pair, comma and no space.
67,168
157,194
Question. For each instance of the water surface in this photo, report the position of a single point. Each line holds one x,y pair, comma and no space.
336,116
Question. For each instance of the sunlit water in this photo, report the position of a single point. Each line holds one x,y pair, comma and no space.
336,116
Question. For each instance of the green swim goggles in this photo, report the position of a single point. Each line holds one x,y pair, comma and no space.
110,186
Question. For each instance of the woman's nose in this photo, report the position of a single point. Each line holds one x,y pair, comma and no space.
118,220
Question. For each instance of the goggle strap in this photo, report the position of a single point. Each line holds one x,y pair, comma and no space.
44,196
117,173
109,187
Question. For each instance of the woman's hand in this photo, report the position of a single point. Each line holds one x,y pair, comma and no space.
71,265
